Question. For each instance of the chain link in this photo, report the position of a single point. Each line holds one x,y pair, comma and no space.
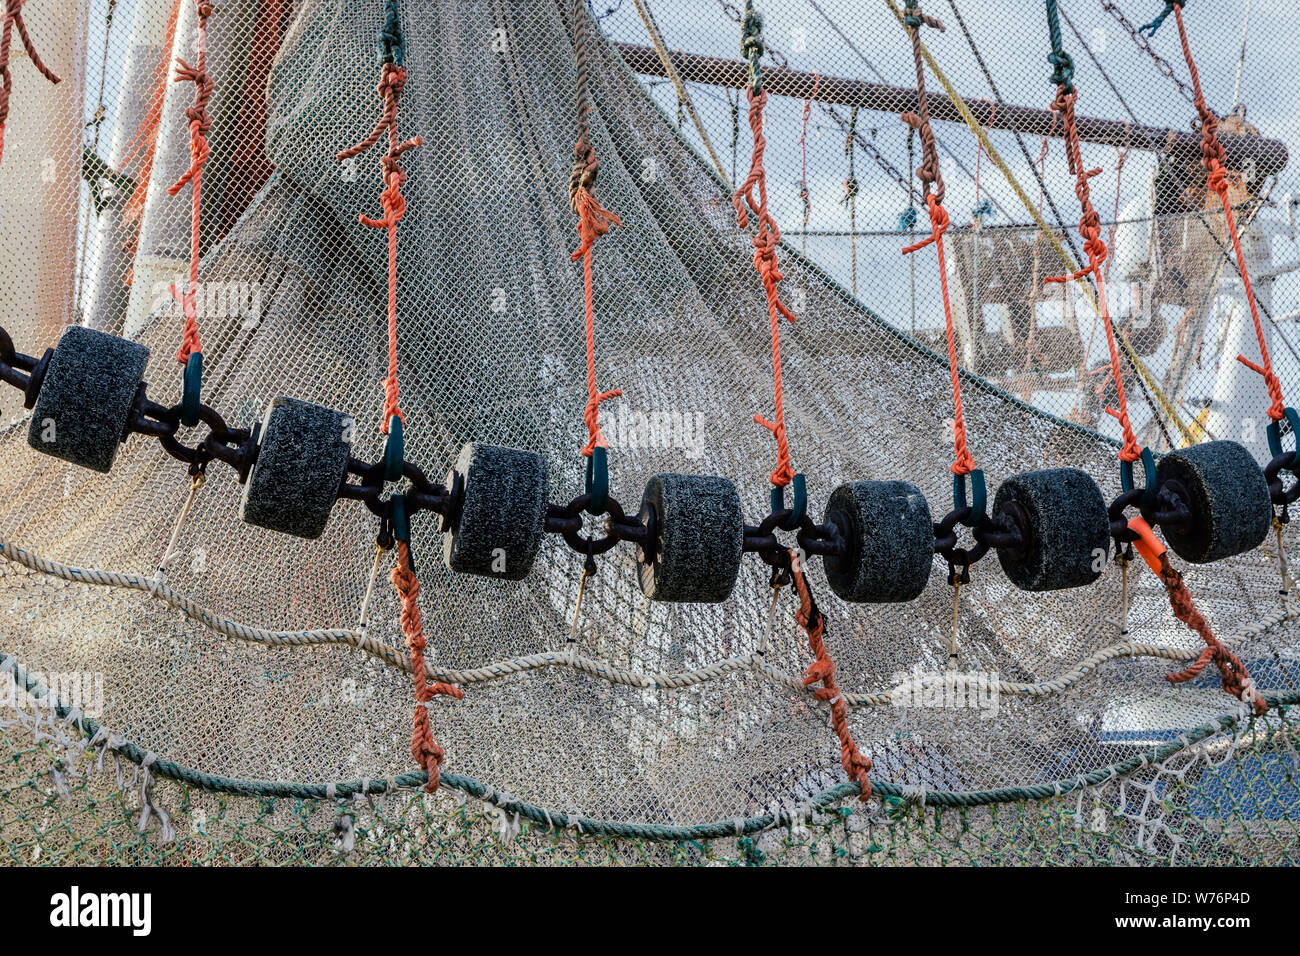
1161,63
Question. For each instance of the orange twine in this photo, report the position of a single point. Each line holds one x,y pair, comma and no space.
766,238
1214,160
392,79
424,748
855,764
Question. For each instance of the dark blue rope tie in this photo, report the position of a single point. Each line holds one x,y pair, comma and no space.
1149,29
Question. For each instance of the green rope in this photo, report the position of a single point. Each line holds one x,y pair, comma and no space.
1149,29
751,46
893,794
1063,72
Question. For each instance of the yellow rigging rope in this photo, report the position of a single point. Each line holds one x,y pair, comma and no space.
1066,259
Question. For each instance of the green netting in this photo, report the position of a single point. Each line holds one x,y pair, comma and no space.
1223,793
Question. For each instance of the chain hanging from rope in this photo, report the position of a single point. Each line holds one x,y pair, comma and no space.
1214,161
200,125
593,222
766,236
1089,223
932,191
13,20
1137,34
392,80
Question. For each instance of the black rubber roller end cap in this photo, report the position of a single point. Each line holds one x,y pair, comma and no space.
85,400
302,458
502,515
698,542
1066,528
1227,494
889,541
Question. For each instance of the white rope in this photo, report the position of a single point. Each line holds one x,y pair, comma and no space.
161,571
603,669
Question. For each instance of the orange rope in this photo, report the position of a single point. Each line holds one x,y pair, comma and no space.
424,748
766,238
200,124
593,222
391,81
930,175
822,669
1232,672
1214,161
1095,247
13,19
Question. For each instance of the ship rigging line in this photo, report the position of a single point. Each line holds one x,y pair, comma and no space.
947,151
1225,250
1020,141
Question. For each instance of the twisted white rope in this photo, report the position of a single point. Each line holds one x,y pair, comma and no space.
603,669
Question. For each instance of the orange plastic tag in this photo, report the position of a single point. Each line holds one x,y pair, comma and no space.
1148,545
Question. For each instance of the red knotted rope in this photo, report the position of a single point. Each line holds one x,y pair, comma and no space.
930,175
200,125
391,81
766,238
822,669
424,748
1236,680
1095,248
1214,160
593,222
13,20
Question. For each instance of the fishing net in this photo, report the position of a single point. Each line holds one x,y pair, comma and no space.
232,709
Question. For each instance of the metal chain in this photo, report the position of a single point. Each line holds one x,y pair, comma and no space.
1161,63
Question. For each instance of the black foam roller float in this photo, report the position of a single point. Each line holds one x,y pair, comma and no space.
301,460
502,515
1227,493
889,541
699,535
1062,515
85,399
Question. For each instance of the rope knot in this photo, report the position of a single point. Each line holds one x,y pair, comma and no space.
1063,72
1149,29
915,19
586,167
939,222
591,417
